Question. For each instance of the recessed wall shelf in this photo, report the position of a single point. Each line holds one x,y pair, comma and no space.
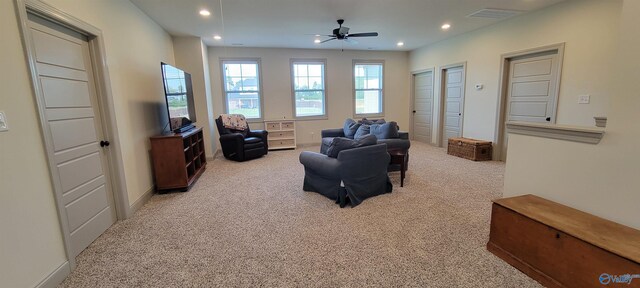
591,135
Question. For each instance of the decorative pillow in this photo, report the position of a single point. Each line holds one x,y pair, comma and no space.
350,127
367,140
340,143
385,131
371,121
362,131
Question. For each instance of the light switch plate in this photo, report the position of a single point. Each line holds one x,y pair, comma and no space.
584,99
3,122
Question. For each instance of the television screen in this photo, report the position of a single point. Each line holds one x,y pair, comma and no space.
179,97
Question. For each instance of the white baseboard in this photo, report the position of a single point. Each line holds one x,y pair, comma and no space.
215,154
142,200
56,277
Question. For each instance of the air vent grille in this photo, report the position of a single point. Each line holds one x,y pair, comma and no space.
494,13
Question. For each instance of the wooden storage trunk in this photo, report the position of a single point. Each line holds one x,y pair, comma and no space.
472,149
559,246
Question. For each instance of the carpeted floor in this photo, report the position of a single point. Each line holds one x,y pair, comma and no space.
250,224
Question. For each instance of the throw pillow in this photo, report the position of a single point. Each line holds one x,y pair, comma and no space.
367,140
350,127
385,131
340,143
362,131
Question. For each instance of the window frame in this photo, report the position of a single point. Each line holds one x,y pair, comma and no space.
382,87
322,61
225,93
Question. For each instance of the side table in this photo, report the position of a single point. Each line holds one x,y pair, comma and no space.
399,157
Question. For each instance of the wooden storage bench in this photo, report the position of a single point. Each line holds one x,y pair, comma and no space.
559,246
471,149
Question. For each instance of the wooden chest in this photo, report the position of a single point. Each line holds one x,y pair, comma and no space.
471,149
559,246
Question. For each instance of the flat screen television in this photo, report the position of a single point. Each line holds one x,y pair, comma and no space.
179,96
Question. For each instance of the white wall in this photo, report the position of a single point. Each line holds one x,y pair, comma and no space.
276,85
189,57
589,29
600,179
30,238
135,46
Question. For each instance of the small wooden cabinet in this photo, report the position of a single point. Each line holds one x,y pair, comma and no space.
178,159
282,134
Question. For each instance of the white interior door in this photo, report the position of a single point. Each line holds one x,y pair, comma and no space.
532,89
422,106
453,102
74,127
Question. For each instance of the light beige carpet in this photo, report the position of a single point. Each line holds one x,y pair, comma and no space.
250,224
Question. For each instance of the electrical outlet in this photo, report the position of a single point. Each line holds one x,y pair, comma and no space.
3,122
584,99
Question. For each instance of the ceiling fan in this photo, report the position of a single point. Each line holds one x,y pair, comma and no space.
342,33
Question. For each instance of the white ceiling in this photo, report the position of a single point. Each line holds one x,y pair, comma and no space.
292,23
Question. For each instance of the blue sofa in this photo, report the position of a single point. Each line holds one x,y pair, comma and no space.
386,132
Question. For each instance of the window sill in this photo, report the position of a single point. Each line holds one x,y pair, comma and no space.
590,135
311,118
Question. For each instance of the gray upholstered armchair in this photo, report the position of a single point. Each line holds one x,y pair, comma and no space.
363,171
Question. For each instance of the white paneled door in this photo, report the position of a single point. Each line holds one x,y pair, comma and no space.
532,89
74,129
453,102
422,106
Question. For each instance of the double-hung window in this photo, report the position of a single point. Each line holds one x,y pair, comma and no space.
308,81
242,87
367,83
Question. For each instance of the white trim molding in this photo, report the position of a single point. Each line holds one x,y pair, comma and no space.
142,200
56,277
590,135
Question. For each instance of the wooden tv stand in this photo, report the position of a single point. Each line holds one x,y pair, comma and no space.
178,159
559,246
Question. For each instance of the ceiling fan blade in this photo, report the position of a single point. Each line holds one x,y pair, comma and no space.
350,41
319,35
328,40
368,34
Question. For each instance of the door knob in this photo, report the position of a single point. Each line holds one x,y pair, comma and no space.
459,114
414,111
104,143
548,119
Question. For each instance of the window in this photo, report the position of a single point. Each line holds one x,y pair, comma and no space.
242,88
309,87
367,78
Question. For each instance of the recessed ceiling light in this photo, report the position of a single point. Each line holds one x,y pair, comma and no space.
400,44
446,26
217,37
317,41
205,12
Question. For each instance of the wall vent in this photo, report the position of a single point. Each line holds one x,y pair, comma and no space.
494,13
